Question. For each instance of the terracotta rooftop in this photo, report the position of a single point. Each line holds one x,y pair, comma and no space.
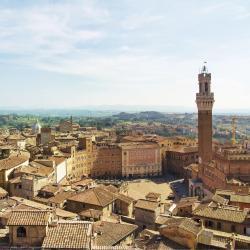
240,198
147,205
51,189
110,188
132,145
225,213
91,213
115,191
24,204
223,192
82,183
12,162
68,235
161,219
152,195
184,149
16,137
188,201
218,199
58,160
233,196
124,198
32,204
61,197
95,196
35,170
6,204
65,214
183,223
28,218
110,234
149,239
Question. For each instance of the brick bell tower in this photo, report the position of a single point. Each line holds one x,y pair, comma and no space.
205,101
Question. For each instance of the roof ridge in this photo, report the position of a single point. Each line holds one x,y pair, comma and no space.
74,222
31,210
97,196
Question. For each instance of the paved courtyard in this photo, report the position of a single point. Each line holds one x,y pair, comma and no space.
138,189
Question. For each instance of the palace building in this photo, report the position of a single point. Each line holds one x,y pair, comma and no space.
220,167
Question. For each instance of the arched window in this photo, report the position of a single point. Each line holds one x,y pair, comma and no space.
206,87
21,232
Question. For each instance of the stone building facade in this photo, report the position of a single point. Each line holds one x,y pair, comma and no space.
27,228
146,213
224,218
79,160
141,160
45,136
179,157
107,161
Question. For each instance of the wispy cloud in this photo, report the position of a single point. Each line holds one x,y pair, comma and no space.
128,46
49,28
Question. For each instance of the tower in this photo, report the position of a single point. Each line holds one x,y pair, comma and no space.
234,127
205,101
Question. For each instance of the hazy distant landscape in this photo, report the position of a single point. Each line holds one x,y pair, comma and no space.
153,122
107,110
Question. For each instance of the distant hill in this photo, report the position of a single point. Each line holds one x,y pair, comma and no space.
145,115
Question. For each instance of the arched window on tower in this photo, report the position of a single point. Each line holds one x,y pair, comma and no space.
21,232
206,87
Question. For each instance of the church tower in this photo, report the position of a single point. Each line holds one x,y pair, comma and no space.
205,101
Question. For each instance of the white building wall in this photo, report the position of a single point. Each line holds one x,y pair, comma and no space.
61,171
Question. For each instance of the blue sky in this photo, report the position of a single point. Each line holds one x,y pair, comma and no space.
131,52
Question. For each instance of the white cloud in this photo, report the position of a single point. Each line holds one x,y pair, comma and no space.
49,28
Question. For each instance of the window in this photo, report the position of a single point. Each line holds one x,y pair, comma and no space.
206,223
233,228
219,226
21,232
206,87
210,223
